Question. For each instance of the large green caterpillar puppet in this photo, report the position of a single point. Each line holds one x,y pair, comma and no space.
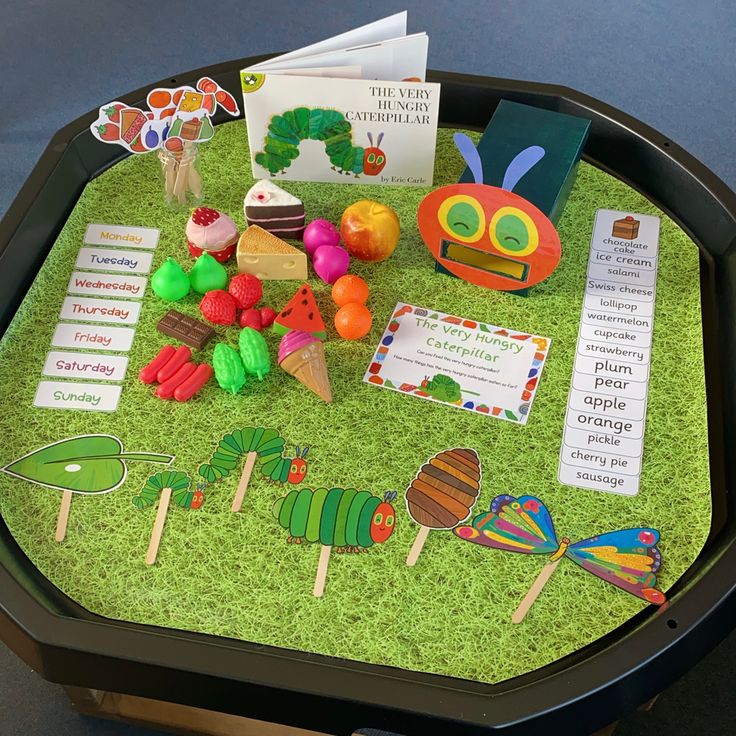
288,130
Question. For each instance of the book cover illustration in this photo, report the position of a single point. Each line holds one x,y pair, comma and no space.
341,130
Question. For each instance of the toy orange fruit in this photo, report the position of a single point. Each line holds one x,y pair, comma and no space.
370,230
353,321
349,288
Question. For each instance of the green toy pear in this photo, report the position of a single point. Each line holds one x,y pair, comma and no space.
207,275
170,282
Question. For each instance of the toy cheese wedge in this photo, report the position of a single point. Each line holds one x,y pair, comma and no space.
268,257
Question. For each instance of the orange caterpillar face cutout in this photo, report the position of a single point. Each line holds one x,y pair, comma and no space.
487,235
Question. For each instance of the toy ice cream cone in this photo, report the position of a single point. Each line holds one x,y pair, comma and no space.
303,356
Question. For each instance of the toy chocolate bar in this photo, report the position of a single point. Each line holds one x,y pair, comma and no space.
187,329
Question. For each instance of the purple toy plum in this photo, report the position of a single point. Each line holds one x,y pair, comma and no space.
330,262
320,232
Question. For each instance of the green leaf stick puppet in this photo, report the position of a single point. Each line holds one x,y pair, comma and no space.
164,486
89,464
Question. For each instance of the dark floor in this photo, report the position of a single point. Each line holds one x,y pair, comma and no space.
663,61
700,704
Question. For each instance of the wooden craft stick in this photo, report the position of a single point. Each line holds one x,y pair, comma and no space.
321,578
63,519
250,461
182,178
418,545
158,526
534,591
170,169
195,182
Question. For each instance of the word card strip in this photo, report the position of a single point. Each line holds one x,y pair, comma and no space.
110,298
603,438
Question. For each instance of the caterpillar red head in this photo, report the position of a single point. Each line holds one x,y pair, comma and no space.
298,467
374,159
487,235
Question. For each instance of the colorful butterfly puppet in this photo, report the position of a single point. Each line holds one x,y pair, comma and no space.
627,558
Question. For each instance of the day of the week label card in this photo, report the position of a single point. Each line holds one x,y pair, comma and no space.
459,362
127,236
106,284
121,261
80,396
94,366
114,311
92,337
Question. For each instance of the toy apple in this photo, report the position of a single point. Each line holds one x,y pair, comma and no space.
317,233
330,262
370,230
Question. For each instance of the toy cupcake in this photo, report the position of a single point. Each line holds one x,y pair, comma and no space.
212,232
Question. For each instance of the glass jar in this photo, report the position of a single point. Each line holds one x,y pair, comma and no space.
181,177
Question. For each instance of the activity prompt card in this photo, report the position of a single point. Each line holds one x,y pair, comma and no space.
460,362
607,405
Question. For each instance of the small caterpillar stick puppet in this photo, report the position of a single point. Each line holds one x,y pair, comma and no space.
352,521
89,464
627,558
288,130
256,443
442,494
165,486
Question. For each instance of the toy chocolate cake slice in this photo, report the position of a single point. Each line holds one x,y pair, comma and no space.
268,257
270,207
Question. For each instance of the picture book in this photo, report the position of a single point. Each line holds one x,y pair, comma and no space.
351,109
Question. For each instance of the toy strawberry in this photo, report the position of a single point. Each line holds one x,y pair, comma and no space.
246,289
219,307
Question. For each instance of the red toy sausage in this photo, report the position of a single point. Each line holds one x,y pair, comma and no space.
149,373
167,388
180,357
184,391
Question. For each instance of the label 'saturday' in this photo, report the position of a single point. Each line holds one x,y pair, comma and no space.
92,366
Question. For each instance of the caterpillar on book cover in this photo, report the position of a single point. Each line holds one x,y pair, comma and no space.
350,520
288,130
267,444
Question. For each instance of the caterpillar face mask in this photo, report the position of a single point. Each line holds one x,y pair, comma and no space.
487,235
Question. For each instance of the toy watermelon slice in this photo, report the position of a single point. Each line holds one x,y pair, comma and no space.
301,313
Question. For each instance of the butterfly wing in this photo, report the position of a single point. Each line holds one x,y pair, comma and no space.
627,558
513,524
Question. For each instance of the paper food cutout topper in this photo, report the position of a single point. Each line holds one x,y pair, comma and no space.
164,487
442,494
627,558
176,115
487,235
89,464
255,443
350,520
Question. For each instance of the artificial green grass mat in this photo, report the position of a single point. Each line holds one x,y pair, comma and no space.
235,575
